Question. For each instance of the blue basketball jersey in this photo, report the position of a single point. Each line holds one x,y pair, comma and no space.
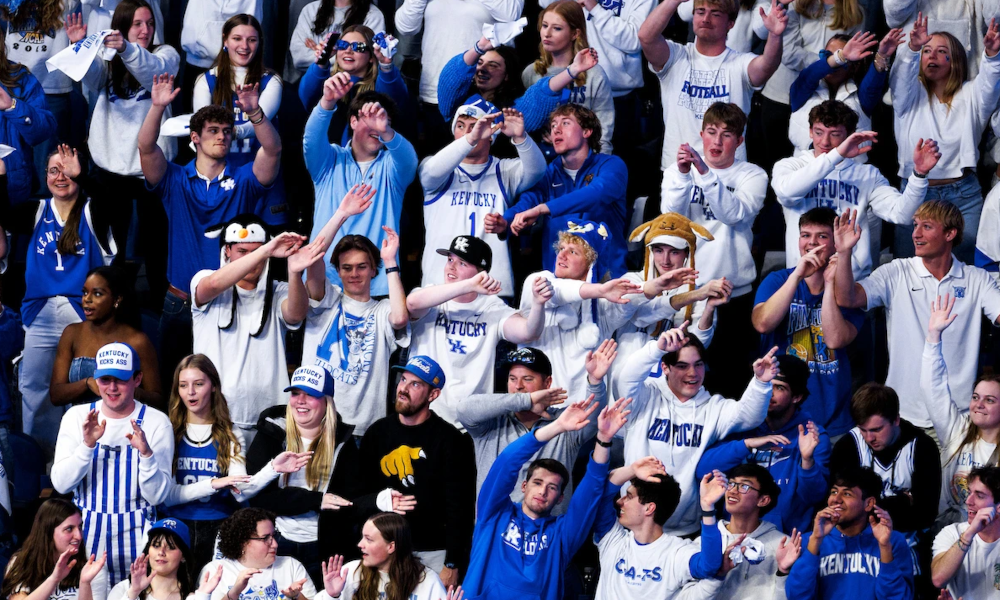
198,463
53,274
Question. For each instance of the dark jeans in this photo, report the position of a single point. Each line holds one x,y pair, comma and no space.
203,535
306,553
176,339
733,349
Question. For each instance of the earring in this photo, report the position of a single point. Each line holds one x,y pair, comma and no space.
116,305
225,49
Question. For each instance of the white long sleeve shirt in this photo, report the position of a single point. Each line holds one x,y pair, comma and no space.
804,182
957,129
74,460
201,37
678,432
613,30
269,101
725,202
450,27
965,19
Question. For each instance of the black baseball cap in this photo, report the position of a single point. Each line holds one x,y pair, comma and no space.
472,250
531,358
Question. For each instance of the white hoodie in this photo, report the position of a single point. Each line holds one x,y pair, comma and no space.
613,30
678,432
201,37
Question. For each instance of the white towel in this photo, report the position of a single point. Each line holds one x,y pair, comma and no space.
179,126
75,60
751,550
6,150
504,31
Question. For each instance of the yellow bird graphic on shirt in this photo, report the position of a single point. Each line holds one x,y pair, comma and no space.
399,462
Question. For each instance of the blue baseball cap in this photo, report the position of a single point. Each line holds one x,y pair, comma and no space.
426,368
315,381
118,360
174,526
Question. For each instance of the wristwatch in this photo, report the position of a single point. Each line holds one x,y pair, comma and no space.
13,104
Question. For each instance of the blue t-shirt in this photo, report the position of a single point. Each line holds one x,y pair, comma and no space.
193,464
800,334
194,205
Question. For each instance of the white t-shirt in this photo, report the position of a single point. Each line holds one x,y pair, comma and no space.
266,585
906,288
32,48
430,588
303,528
252,369
98,587
354,341
643,571
690,82
462,338
977,577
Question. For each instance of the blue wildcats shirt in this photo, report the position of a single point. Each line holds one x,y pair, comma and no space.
191,465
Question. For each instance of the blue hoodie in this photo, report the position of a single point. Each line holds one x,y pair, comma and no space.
851,567
28,124
801,490
515,556
596,194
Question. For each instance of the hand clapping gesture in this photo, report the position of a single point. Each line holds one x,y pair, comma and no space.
541,291
138,440
92,429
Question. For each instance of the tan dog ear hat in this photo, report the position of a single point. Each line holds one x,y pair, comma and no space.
673,230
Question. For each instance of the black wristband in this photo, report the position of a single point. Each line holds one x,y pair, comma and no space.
708,513
604,444
392,270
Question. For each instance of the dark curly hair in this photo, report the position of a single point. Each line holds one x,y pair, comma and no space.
236,531
213,113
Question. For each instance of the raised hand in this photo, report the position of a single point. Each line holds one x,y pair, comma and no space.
357,200
766,367
93,568
513,124
712,488
69,161
137,439
926,155
857,143
242,579
92,429
375,117
612,418
648,468
808,440
941,317
335,88
991,42
859,46
543,399
789,550
777,20
390,247
307,255
891,41
765,441
919,35
694,158
494,223
824,523
210,581
76,29
809,263
115,41
577,415
64,565
830,271
484,285
599,361
230,482
614,290
402,504
377,49
541,290
294,589
284,244
846,231
163,92
334,575
674,339
334,502
483,129
140,576
290,462
247,98
584,60
881,524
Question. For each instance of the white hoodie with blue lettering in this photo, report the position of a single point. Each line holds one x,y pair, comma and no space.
804,182
678,432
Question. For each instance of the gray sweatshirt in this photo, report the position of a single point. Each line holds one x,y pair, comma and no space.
746,581
490,420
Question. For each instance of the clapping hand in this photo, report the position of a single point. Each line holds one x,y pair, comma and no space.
294,589
138,440
64,565
789,550
808,440
718,291
692,157
541,291
92,429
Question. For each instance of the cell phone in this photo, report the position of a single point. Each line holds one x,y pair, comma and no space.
331,45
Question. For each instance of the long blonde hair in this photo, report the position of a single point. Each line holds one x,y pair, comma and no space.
226,445
847,14
367,83
323,447
959,70
572,13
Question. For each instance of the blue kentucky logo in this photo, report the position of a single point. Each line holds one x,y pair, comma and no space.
959,291
458,347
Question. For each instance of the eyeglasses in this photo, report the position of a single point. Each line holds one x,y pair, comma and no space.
355,46
743,487
267,539
53,171
522,355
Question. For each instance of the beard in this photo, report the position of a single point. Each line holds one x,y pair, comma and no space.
406,407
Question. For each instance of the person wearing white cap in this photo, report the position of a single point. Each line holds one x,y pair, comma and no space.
463,184
240,314
461,321
115,456
307,502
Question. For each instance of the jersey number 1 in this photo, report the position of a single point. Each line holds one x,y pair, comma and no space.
472,220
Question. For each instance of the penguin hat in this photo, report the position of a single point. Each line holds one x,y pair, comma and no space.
244,229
